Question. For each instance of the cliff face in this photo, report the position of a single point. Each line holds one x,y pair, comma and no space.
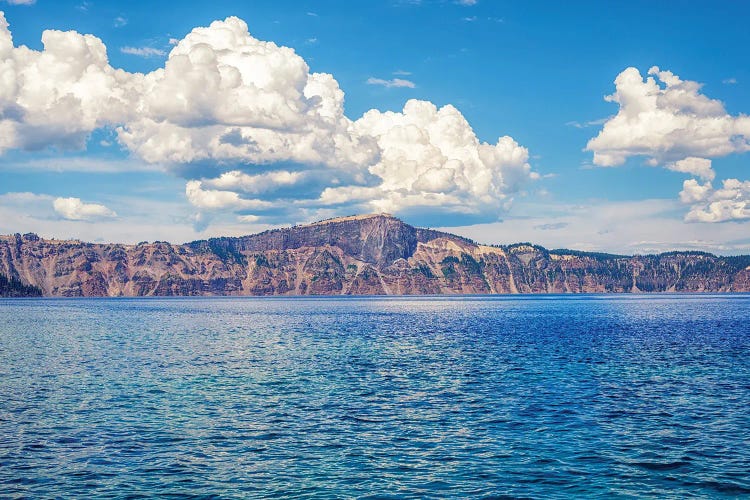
363,255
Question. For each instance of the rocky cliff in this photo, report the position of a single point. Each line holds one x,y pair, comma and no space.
360,255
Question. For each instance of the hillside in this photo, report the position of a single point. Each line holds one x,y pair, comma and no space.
14,288
362,255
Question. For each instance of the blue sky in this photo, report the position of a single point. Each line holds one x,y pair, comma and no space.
667,169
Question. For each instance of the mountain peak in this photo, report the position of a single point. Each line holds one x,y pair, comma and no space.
349,218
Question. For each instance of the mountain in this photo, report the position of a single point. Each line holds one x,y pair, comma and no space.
357,255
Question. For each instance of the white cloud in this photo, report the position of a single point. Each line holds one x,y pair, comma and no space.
729,81
248,218
431,157
75,209
57,96
120,21
664,118
20,2
699,167
254,184
693,191
590,123
668,121
730,203
87,164
213,199
237,116
392,83
466,3
143,51
226,97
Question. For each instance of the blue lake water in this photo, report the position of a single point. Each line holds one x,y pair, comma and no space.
540,397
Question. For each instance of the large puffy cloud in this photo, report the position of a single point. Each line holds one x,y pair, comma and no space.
228,98
671,123
75,209
57,96
431,157
251,127
666,122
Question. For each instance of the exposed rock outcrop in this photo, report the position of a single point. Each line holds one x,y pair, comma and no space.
360,255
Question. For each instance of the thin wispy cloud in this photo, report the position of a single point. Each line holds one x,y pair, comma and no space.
392,83
143,51
87,164
401,72
729,81
466,3
20,2
590,123
120,22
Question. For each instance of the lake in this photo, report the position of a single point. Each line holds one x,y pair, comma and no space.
429,397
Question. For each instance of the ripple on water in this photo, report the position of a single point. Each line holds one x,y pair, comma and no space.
491,397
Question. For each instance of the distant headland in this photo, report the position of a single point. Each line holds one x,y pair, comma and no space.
375,254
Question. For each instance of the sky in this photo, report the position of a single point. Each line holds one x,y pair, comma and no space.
618,127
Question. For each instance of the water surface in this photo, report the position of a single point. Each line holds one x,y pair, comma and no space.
541,397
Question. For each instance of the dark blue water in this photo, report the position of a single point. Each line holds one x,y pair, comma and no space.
541,397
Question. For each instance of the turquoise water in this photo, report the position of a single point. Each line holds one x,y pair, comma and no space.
539,397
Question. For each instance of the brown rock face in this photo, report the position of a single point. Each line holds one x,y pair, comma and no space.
361,255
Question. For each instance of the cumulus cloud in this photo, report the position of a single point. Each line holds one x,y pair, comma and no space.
392,83
665,118
670,122
57,96
731,202
213,199
226,97
699,167
432,158
251,128
75,209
